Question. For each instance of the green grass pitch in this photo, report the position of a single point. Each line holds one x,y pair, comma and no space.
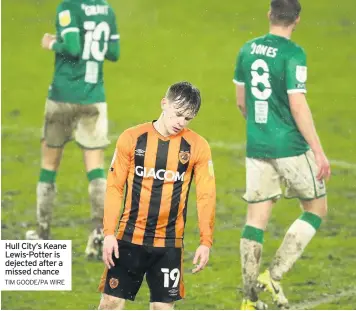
163,42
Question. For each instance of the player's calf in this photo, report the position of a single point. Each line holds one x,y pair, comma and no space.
95,244
96,189
46,192
108,302
296,239
161,306
250,250
251,246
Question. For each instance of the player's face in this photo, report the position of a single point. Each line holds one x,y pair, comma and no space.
175,118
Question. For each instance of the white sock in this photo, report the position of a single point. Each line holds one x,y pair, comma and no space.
251,252
296,239
45,197
96,189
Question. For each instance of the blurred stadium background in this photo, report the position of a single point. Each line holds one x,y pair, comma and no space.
163,42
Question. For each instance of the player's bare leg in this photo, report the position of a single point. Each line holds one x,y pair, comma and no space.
94,163
161,306
46,191
108,302
296,239
251,251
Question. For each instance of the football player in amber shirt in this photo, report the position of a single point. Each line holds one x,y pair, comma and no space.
155,163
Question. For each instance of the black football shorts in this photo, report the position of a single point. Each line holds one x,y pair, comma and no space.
161,265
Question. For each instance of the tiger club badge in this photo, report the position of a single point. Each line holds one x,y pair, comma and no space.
114,283
184,156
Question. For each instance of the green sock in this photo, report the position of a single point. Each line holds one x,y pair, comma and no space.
312,219
95,174
47,176
253,234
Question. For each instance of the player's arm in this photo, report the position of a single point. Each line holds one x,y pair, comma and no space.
206,202
303,117
304,120
296,77
116,180
239,80
206,194
113,53
240,98
67,40
70,44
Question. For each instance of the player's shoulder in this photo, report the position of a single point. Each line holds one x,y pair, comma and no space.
80,4
136,131
68,4
295,48
193,138
255,39
246,47
105,2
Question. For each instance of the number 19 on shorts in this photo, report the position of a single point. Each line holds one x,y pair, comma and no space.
171,276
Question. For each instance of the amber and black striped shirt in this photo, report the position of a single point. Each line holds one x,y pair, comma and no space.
158,172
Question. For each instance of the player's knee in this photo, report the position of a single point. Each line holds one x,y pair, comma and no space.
324,208
161,306
93,159
258,214
108,302
317,206
50,164
51,157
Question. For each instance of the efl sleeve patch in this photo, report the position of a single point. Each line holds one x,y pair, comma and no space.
211,168
113,161
64,18
301,74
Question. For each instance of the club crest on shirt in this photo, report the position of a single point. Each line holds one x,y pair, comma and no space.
114,283
64,18
184,156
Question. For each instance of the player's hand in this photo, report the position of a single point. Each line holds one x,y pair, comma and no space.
110,246
47,41
323,166
202,256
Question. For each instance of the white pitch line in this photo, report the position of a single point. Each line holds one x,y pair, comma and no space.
241,146
213,144
308,305
343,164
227,146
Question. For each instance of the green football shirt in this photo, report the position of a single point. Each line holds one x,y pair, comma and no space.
271,67
80,79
